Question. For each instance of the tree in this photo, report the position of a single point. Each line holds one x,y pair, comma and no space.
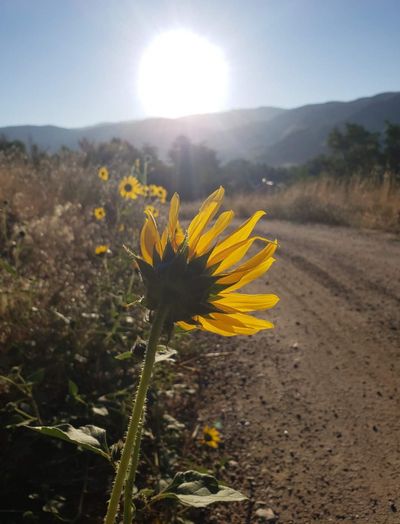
355,150
196,168
391,149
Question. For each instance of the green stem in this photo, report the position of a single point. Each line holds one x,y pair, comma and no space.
130,480
137,411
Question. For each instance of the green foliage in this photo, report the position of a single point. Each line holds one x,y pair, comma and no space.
354,150
198,490
391,149
91,438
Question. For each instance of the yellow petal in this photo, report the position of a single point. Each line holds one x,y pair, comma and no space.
173,215
164,240
179,237
229,322
220,225
252,322
243,302
232,255
206,213
153,231
147,242
250,264
214,326
248,276
241,233
185,325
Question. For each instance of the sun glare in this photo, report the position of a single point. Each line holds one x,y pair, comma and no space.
182,73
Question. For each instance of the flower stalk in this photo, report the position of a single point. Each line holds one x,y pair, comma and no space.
135,420
130,480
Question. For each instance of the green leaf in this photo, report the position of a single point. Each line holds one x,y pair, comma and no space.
72,388
5,265
91,438
74,391
37,376
196,489
124,356
164,353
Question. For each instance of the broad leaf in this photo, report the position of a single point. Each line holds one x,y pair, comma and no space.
91,438
196,489
164,353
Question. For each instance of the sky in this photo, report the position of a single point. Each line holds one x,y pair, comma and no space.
74,63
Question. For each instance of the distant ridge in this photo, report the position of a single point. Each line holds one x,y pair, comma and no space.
267,134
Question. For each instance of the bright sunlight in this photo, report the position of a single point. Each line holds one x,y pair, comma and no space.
182,73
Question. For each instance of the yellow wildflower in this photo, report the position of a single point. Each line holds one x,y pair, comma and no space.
99,213
211,437
101,250
103,174
128,187
158,192
162,194
151,209
153,190
194,275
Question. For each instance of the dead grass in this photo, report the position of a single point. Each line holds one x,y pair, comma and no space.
356,202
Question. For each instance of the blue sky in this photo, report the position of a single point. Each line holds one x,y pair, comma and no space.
74,62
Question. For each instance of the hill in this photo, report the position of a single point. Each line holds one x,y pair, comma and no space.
273,135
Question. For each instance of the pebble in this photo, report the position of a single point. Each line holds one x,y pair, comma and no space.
266,515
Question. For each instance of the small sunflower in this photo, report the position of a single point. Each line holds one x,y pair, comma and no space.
128,187
162,194
153,190
195,275
151,209
141,189
211,437
103,174
99,213
101,249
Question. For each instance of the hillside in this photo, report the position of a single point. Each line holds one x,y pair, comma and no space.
273,135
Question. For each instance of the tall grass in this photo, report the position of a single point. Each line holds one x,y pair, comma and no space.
358,202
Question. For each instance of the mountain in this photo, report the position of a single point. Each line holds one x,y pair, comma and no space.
267,134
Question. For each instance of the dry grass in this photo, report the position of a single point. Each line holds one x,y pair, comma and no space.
355,202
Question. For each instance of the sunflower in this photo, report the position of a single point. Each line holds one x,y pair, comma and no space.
128,187
194,275
99,213
162,194
101,250
141,189
211,437
103,174
151,209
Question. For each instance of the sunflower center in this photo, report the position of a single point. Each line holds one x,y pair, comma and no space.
208,437
128,188
184,286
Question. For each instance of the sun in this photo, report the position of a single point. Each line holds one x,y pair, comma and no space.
182,73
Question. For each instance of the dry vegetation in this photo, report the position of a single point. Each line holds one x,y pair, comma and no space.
63,319
356,202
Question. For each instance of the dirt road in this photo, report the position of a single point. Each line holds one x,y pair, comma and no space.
311,410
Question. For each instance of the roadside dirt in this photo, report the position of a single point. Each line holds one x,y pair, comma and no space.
310,411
